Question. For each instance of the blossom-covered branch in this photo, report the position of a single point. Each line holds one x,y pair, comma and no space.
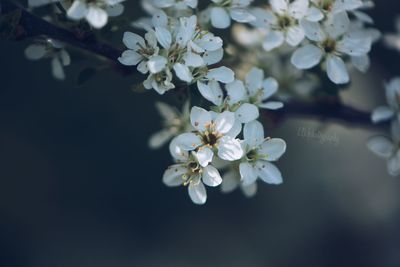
27,25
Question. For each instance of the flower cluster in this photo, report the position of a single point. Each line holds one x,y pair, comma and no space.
388,148
207,143
96,12
320,32
175,49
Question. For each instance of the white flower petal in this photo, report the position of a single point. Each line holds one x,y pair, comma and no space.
253,133
295,35
246,113
97,17
381,146
268,172
188,141
313,30
204,156
314,14
338,24
279,6
272,105
212,57
57,69
249,190
241,15
247,173
35,51
229,149
273,40
254,80
221,74
224,122
382,113
78,10
270,86
173,175
130,58
158,139
362,63
183,72
306,57
230,181
163,37
273,148
211,91
337,71
394,164
211,176
193,60
133,41
200,118
298,8
236,91
156,64
176,150
197,193
220,18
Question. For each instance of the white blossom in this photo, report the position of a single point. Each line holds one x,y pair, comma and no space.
392,110
212,135
96,12
53,50
174,123
388,149
330,44
222,11
189,172
392,40
282,21
259,153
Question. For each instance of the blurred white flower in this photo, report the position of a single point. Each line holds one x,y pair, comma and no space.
392,111
54,50
177,4
282,21
321,8
329,44
392,40
222,11
96,12
388,149
174,123
231,180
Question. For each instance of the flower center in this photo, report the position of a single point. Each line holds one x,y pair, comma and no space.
252,155
210,138
329,45
326,5
284,22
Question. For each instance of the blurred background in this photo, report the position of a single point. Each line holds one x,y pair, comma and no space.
79,186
